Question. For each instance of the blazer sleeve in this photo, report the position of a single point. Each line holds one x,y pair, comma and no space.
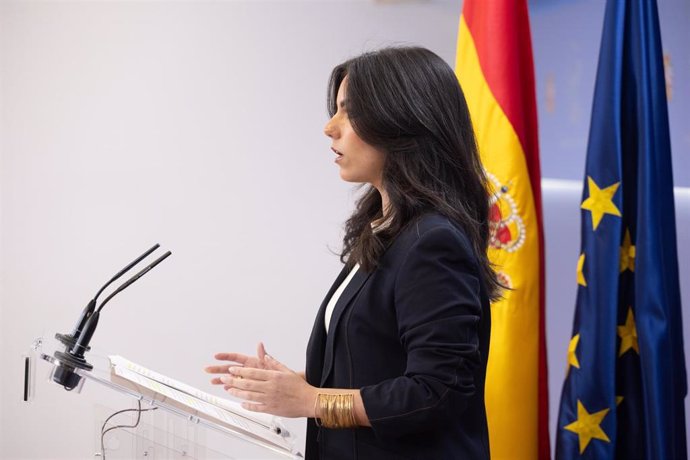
438,307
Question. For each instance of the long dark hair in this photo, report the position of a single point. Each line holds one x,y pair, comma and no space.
407,102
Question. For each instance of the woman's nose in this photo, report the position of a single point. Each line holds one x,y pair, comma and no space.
330,130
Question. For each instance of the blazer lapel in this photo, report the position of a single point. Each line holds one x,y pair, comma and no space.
317,340
345,299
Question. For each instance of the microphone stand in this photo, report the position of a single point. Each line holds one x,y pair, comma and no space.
77,343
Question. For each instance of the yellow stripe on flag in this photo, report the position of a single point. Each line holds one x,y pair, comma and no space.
512,374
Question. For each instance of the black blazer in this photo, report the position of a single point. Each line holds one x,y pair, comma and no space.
413,336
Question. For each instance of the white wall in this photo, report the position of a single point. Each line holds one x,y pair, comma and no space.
2,258
196,125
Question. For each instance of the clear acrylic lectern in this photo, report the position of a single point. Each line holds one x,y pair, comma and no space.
170,420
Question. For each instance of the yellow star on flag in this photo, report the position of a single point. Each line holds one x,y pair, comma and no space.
628,334
572,348
619,399
627,253
580,274
587,426
600,201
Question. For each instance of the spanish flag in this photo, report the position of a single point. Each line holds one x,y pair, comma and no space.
495,69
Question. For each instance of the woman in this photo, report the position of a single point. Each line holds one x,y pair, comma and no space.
397,357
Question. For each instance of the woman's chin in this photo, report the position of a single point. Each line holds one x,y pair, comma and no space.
345,176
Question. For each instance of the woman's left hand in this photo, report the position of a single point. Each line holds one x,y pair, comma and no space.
276,389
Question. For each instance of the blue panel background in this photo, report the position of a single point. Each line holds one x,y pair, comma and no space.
565,37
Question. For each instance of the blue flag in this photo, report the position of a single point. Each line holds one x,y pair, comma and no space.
625,385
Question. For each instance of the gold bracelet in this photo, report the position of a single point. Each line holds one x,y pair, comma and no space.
335,410
317,420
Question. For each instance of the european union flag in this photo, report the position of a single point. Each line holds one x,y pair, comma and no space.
625,385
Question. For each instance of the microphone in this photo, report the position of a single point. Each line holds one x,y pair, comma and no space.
69,339
77,343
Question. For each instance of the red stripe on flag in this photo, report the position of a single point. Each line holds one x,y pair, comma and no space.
502,38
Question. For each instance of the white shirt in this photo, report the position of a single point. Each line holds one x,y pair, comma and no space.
376,226
336,295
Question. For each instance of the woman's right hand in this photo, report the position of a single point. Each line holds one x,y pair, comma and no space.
256,362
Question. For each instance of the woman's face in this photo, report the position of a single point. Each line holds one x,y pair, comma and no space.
358,161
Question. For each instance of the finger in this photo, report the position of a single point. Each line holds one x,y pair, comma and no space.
217,369
216,381
261,351
244,384
276,365
250,373
254,407
246,394
236,357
